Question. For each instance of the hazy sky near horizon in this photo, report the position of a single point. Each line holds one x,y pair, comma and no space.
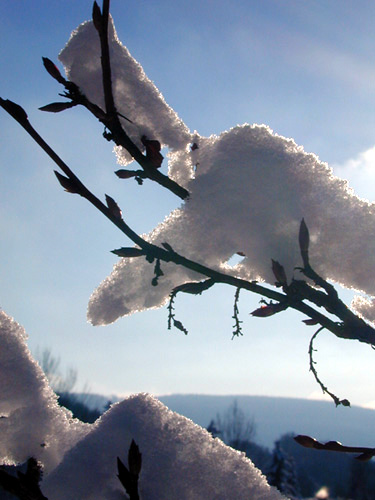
306,70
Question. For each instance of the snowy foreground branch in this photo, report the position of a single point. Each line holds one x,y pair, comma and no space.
180,460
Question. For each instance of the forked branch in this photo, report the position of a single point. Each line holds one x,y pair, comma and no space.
294,294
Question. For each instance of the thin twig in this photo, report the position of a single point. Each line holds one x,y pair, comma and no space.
111,122
325,390
237,332
171,315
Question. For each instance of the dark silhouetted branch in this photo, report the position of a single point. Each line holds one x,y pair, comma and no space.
365,454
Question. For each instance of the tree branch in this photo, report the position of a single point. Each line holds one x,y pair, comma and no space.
109,119
351,326
309,442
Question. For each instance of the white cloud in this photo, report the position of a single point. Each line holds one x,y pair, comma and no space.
370,405
318,395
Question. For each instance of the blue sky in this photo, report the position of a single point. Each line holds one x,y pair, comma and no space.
305,69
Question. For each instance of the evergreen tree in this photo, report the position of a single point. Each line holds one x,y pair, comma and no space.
282,473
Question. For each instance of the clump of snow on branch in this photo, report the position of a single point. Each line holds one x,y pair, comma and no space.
135,95
180,459
249,188
32,423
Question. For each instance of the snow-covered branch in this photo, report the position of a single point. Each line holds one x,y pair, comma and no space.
304,295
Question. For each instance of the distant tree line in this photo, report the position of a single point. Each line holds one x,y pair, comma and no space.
296,471
63,385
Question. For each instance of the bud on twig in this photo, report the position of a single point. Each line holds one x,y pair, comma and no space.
126,174
304,241
128,252
195,288
68,184
97,16
128,476
134,459
113,207
279,273
269,310
56,107
153,151
53,70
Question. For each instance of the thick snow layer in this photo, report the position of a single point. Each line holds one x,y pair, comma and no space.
249,188
180,459
31,421
135,95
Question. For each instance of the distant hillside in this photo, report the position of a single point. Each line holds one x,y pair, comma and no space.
275,416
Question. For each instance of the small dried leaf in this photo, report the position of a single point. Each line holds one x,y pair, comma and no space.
56,107
195,288
153,151
180,326
68,184
263,312
53,70
113,207
128,252
268,310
